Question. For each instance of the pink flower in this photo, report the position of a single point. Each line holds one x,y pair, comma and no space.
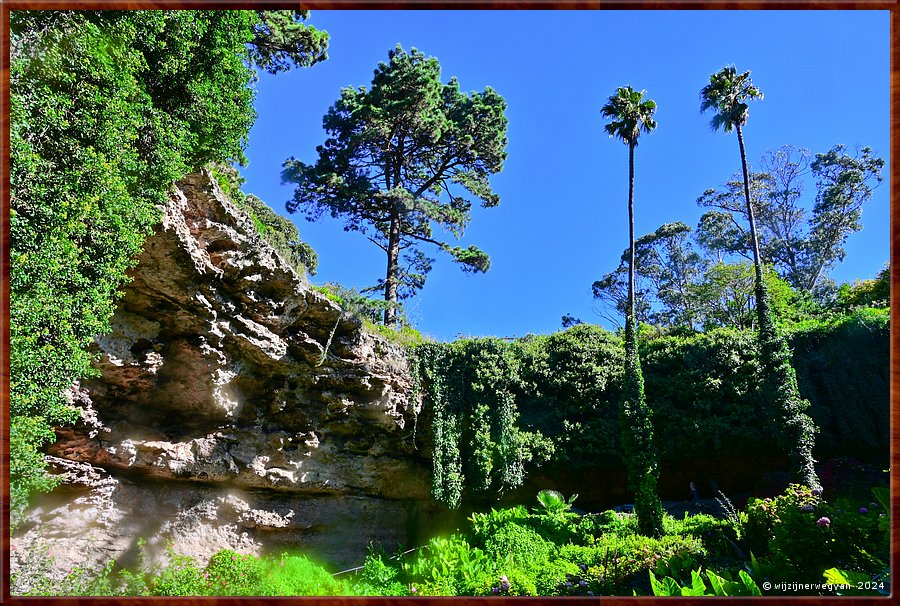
233,558
412,589
823,522
13,547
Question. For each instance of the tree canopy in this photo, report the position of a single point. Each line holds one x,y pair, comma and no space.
402,157
802,239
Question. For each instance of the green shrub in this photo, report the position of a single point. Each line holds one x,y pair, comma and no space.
180,577
484,525
614,563
607,522
720,536
797,536
233,574
378,577
519,545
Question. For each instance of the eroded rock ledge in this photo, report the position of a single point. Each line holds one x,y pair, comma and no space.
224,365
226,372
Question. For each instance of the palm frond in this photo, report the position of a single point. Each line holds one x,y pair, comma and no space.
629,114
727,94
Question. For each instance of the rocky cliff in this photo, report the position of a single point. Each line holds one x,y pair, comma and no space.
235,407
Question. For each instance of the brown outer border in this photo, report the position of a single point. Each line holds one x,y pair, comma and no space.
8,5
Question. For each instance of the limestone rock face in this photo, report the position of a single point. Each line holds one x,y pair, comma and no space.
226,374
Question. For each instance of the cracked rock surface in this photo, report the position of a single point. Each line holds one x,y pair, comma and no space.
226,377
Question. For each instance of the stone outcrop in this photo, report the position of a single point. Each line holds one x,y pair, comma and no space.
234,403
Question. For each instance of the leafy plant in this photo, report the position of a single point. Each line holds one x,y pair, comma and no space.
801,535
554,503
713,585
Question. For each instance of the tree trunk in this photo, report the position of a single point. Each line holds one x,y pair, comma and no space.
630,236
393,269
764,320
754,242
779,388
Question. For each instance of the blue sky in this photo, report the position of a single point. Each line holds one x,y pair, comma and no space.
562,221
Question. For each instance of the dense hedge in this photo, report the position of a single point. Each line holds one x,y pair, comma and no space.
843,370
561,391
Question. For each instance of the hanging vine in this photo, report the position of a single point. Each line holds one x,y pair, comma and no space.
472,388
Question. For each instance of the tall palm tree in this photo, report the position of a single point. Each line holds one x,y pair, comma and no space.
629,116
727,94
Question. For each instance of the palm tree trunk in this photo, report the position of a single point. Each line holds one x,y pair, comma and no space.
631,314
750,214
780,379
764,319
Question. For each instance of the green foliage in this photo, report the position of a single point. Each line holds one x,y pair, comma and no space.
229,573
107,109
520,546
92,131
866,293
780,395
180,577
379,577
554,518
477,445
720,536
554,503
614,562
485,524
842,369
714,584
727,95
370,311
279,232
703,388
629,115
281,40
573,380
298,575
798,535
638,448
402,157
26,462
450,567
